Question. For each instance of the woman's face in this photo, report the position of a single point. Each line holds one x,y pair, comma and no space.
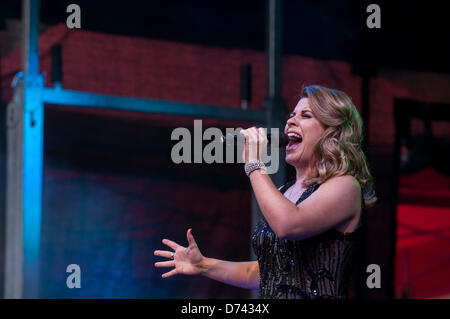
304,131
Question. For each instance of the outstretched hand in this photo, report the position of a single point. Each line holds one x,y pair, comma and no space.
186,260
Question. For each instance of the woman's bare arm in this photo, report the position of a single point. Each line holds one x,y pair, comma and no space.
240,274
190,261
340,195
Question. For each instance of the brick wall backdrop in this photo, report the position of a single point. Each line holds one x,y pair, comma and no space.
110,191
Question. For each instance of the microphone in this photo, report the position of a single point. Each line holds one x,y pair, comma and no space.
283,139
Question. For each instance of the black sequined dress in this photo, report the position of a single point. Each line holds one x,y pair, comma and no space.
316,267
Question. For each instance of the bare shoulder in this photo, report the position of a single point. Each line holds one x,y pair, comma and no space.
345,182
346,186
334,205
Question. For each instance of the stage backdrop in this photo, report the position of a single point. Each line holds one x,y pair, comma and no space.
111,192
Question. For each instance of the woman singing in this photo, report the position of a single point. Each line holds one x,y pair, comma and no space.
309,238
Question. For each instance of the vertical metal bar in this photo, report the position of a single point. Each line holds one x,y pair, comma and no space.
273,104
32,151
274,33
13,276
33,121
25,167
30,20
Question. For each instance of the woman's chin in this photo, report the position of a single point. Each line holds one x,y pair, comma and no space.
293,154
291,150
290,159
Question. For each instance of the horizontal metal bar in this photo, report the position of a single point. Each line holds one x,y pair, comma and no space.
86,99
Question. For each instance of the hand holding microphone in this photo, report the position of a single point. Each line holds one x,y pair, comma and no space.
256,140
281,139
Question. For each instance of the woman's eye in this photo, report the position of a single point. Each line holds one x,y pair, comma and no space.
307,115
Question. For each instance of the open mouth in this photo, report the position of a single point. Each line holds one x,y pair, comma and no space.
294,141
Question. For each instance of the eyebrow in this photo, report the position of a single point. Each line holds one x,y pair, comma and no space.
302,111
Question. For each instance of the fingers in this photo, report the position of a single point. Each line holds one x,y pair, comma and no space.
170,273
245,152
262,135
163,253
169,263
255,141
190,237
171,244
251,133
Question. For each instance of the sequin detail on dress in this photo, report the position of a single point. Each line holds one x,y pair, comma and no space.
316,267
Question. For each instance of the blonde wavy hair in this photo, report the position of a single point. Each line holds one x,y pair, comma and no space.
338,152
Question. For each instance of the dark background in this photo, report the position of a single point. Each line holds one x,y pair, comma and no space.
413,34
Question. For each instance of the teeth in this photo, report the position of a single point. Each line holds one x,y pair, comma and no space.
294,135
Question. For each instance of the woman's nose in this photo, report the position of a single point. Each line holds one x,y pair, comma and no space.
291,121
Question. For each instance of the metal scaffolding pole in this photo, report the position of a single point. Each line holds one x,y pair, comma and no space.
86,99
273,103
25,116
